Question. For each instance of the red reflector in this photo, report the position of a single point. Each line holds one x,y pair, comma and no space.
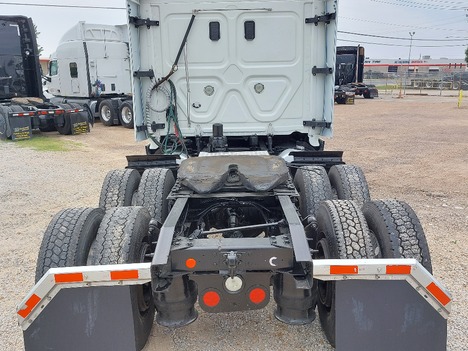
59,112
344,270
42,112
30,304
190,263
68,277
211,298
438,294
398,270
124,275
257,295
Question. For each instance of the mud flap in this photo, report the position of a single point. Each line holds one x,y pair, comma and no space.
20,127
79,122
386,315
77,319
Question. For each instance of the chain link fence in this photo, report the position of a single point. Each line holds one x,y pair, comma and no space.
423,82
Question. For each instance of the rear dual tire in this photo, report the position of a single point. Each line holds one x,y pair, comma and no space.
123,238
313,185
68,238
398,231
119,188
126,114
108,112
349,183
111,113
342,234
81,236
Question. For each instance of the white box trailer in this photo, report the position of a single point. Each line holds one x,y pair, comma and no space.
235,198
91,66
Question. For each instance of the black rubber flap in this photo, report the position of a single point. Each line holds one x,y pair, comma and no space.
79,121
386,316
20,127
78,319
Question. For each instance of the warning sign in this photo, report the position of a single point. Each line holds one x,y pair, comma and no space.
80,128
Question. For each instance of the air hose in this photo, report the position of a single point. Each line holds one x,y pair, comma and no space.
171,107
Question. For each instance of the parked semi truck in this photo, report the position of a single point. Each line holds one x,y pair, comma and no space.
23,106
234,196
91,66
350,71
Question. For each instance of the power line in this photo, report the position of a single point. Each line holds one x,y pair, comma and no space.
419,5
64,6
398,38
407,25
402,45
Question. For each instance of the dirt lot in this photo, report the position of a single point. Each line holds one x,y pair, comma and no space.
414,149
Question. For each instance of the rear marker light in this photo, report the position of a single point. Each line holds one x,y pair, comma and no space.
211,298
257,296
233,284
190,263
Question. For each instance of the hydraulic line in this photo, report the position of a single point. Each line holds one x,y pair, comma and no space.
156,85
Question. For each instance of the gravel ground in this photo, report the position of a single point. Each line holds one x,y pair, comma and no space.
414,149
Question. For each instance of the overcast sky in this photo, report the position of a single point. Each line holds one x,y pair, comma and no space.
439,23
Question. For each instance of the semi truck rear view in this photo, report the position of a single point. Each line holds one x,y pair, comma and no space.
236,204
350,72
23,106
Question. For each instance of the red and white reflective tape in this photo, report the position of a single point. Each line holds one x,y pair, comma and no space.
72,277
409,270
74,110
23,114
50,112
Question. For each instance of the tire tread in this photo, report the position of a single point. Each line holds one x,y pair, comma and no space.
314,187
154,187
63,236
405,235
350,183
117,186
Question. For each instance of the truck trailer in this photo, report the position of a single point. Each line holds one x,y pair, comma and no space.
23,106
91,67
236,204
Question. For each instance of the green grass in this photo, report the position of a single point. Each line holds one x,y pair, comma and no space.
387,87
44,143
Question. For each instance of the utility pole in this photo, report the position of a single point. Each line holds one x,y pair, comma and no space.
409,58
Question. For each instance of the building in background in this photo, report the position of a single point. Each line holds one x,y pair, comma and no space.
424,72
44,61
